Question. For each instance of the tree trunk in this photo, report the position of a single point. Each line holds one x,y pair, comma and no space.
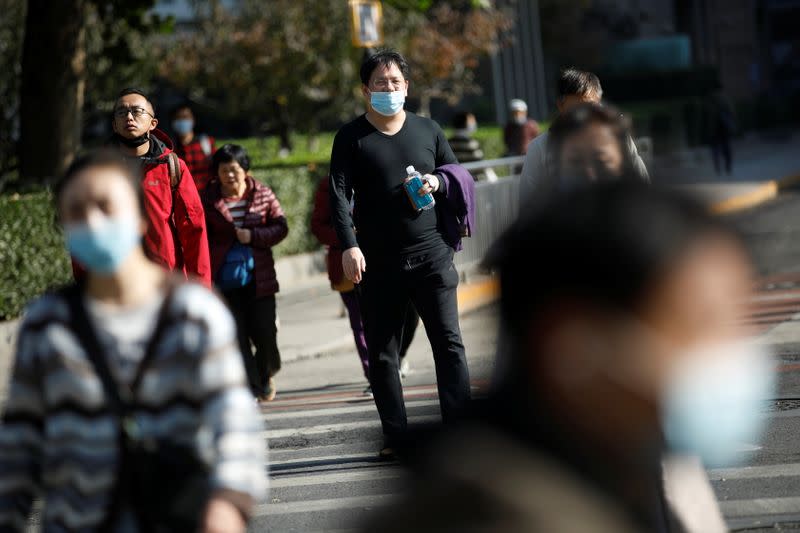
424,104
53,80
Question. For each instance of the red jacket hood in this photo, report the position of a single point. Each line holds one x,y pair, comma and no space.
164,138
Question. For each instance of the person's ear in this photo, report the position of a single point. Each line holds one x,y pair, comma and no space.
365,91
406,91
560,105
153,124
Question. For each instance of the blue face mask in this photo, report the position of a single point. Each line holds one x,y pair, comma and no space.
182,126
387,104
712,405
102,249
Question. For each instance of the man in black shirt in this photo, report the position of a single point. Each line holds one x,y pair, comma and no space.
407,255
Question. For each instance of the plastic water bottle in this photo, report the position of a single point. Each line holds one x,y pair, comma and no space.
413,184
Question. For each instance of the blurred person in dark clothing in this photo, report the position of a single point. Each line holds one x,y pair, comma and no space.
195,149
575,88
621,332
465,147
723,125
520,130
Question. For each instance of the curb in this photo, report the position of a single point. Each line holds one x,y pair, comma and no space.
763,193
473,296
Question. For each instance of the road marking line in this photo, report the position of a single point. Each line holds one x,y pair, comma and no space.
345,426
344,457
332,411
759,506
753,472
305,480
352,502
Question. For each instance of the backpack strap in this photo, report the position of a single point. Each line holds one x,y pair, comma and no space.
175,174
119,396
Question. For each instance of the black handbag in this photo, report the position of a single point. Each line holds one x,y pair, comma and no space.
165,484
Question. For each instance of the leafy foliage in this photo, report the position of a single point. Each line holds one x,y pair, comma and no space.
32,254
290,63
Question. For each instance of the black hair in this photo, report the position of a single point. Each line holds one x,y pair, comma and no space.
574,82
181,107
133,90
460,119
228,153
105,158
383,58
577,119
604,246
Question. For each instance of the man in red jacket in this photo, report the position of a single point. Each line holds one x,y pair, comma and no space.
176,237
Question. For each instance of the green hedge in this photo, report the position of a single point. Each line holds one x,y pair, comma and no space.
32,254
33,257
295,189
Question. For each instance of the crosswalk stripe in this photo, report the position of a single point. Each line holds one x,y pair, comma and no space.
352,397
333,411
759,506
753,472
347,502
345,426
346,456
338,477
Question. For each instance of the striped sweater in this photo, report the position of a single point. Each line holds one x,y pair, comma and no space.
58,438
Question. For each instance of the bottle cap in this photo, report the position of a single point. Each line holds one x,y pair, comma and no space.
410,169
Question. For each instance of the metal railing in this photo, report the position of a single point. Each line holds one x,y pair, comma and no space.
496,207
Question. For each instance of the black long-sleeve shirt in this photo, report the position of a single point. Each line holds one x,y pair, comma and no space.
370,167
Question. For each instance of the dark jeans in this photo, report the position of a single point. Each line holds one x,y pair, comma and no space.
352,301
429,282
255,322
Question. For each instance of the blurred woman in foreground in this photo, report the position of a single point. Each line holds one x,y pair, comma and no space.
127,408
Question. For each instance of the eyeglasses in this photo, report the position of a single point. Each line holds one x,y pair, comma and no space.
137,112
390,84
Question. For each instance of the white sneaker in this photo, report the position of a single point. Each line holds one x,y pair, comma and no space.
368,391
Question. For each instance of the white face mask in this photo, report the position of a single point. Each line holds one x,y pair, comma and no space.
712,404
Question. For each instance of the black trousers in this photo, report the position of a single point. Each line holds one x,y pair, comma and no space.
255,323
430,282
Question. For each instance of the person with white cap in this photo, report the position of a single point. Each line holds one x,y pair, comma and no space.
520,129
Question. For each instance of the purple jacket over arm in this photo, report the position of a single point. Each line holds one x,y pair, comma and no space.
457,212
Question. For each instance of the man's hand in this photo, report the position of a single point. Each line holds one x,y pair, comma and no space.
244,235
430,184
354,264
221,516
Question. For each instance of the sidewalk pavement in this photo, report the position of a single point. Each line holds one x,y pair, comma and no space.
313,324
